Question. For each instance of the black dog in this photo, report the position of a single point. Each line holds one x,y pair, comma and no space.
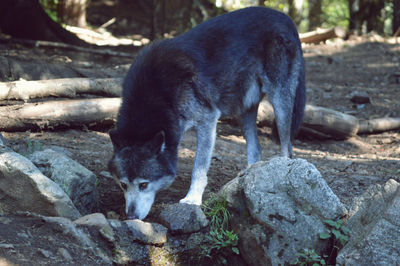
223,67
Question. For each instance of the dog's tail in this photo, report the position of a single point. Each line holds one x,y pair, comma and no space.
300,98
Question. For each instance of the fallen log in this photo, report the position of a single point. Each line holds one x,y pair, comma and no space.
69,87
330,122
321,35
378,125
55,114
318,121
323,120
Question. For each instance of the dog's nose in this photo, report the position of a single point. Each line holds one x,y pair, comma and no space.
132,217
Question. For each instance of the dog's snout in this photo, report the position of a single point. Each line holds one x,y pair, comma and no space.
130,213
131,217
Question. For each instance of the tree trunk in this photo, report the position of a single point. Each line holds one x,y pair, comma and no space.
372,15
314,15
396,15
27,20
354,7
366,12
153,28
295,10
73,12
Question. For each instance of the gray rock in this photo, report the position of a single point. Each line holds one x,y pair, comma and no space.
99,221
137,230
183,218
24,188
78,182
68,228
194,240
78,234
375,228
65,254
278,208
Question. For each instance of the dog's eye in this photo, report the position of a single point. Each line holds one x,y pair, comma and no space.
124,186
143,186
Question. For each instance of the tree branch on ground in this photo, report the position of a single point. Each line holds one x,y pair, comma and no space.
68,87
55,114
321,35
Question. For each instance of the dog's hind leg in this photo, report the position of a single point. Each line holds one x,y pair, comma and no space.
206,134
283,109
249,123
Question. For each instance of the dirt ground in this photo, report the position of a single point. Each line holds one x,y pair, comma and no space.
334,71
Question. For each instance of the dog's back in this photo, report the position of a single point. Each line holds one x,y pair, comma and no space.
242,55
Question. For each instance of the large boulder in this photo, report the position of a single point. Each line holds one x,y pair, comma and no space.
78,182
374,225
24,188
278,208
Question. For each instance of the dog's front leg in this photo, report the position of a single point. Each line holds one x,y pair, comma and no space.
206,133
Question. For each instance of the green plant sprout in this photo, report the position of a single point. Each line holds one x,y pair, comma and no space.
221,239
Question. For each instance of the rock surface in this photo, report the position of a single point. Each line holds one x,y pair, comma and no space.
375,228
24,188
137,230
77,181
278,208
183,218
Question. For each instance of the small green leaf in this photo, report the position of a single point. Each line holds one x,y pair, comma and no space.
235,250
330,222
336,233
324,236
343,239
345,230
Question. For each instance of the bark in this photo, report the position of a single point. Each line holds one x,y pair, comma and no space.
56,114
366,12
321,35
378,125
70,87
396,16
354,7
27,20
325,122
295,10
330,122
315,12
73,12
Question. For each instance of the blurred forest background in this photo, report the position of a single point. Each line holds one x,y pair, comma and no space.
154,19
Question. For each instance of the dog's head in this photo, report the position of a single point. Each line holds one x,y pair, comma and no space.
141,170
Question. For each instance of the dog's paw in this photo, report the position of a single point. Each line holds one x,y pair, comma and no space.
191,200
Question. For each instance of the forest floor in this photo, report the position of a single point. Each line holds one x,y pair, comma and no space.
334,72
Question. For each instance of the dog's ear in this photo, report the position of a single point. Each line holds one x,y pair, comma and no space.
158,142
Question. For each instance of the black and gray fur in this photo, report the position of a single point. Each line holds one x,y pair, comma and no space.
223,67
